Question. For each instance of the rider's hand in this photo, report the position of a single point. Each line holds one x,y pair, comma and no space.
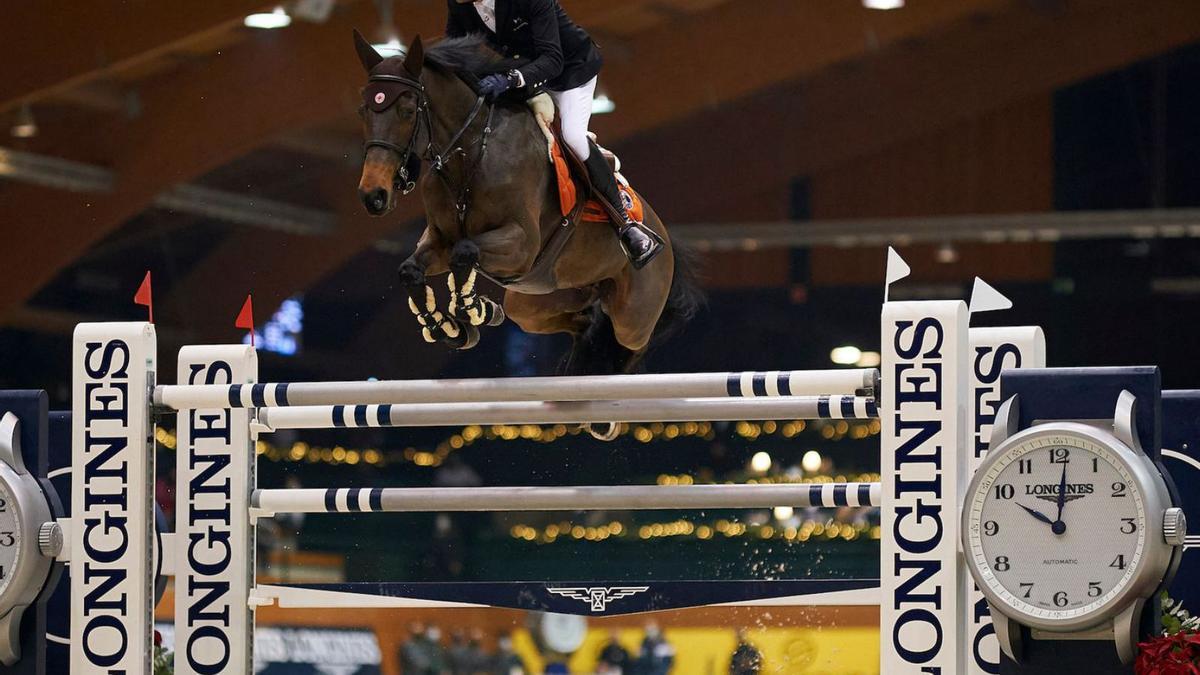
496,84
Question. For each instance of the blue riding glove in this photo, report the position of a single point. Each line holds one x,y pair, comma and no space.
496,84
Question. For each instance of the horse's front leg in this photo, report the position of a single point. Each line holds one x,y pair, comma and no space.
429,259
466,304
502,251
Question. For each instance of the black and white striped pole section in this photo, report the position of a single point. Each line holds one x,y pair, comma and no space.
588,498
770,384
565,412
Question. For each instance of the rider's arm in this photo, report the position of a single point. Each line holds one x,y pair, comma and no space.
548,60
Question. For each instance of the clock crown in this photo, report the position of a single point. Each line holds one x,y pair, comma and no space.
50,540
1174,526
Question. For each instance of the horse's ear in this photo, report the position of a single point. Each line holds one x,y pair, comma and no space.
366,53
414,60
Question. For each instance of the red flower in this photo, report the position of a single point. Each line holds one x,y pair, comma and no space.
157,639
1177,654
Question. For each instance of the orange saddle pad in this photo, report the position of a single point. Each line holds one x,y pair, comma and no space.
592,211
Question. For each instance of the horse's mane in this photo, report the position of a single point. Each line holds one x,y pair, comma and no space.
470,56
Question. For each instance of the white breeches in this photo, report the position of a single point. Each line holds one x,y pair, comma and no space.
574,112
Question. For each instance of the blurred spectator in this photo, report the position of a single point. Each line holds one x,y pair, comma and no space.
444,557
657,655
746,659
613,660
423,654
466,656
164,494
455,473
506,661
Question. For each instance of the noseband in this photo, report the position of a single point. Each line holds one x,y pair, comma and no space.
384,100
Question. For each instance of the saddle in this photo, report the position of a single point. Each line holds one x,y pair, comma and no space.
575,200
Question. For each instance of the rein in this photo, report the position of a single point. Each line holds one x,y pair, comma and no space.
432,154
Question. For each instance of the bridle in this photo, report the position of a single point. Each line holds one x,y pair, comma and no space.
436,157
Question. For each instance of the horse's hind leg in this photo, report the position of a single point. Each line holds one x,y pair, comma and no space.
429,258
465,304
634,301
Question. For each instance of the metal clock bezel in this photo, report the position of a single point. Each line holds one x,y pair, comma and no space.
1155,556
30,510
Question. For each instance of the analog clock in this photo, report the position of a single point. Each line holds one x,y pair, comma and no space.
1063,526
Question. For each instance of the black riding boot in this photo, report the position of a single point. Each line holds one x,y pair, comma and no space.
640,243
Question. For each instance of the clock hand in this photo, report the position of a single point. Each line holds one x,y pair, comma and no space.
1037,514
1062,492
1058,526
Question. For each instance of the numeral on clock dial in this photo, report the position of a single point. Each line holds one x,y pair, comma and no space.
990,528
1060,455
1118,489
1060,599
1118,562
1002,563
1028,589
1,571
7,539
1005,491
1094,590
1025,465
3,505
1129,527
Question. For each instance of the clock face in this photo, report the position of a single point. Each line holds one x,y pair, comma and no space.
1052,558
10,537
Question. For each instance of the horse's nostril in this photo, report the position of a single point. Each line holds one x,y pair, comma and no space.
375,200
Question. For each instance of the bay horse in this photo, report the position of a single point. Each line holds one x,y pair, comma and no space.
492,207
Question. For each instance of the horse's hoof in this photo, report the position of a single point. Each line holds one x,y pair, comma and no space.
469,336
607,431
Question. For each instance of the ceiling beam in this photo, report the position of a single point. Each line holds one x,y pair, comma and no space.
853,110
694,64
54,46
194,120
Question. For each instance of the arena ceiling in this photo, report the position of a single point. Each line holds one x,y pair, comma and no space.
155,120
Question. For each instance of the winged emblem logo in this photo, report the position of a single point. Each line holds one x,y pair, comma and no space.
598,596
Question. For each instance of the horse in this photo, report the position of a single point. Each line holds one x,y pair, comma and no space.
492,207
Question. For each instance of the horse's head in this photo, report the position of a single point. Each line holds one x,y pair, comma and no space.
394,101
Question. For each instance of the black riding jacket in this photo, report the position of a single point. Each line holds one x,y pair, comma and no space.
560,54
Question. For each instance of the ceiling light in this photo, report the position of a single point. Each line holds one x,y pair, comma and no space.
947,254
24,126
847,355
602,105
760,462
883,4
276,19
784,512
393,47
811,461
868,360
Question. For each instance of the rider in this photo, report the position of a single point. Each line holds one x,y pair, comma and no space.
563,59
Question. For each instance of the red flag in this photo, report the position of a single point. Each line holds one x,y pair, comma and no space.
245,318
144,296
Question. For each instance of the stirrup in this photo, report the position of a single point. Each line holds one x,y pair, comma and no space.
656,243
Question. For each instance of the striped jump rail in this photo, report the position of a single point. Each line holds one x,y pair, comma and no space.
769,384
605,497
566,412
